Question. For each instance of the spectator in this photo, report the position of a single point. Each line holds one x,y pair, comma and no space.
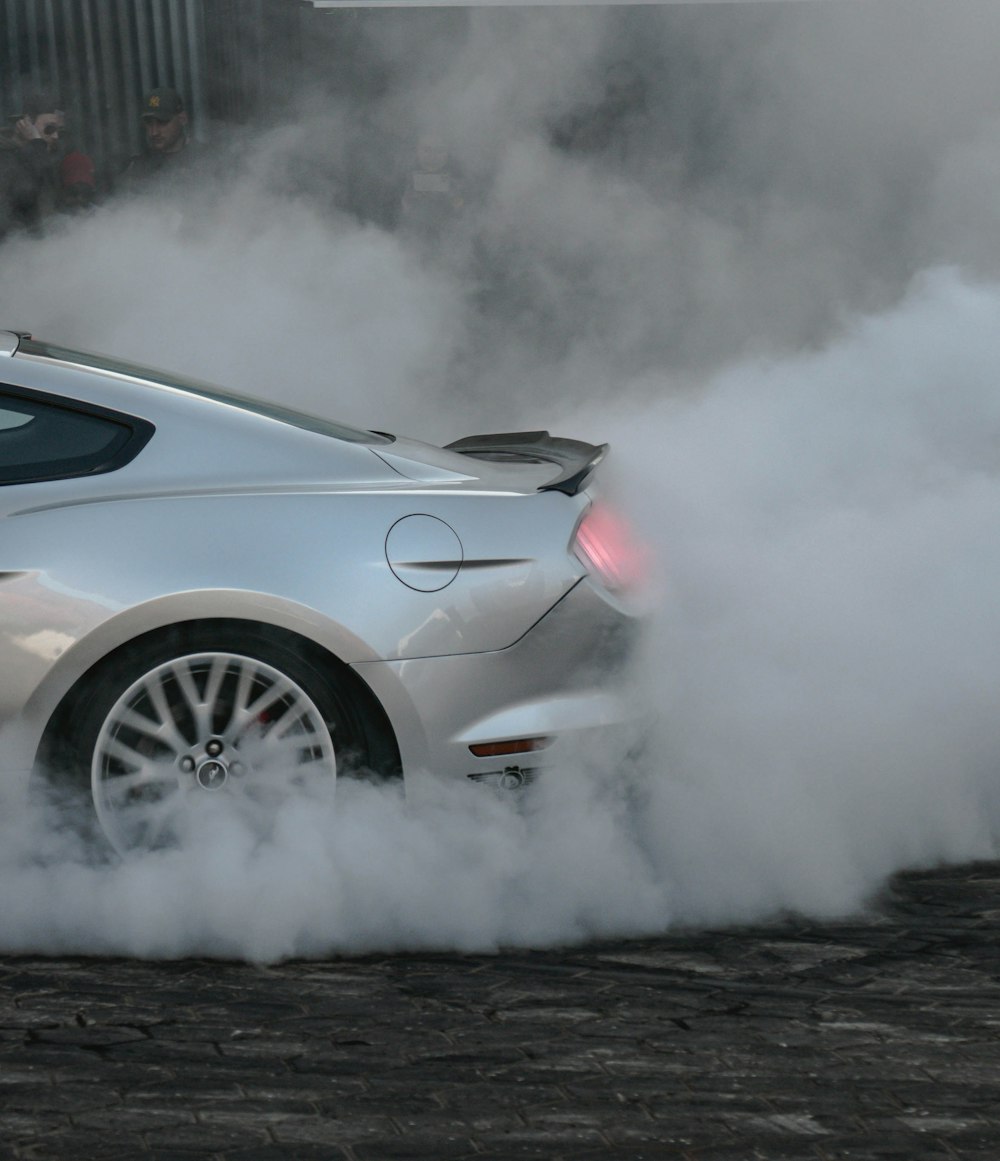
77,183
433,198
374,165
29,154
168,149
605,128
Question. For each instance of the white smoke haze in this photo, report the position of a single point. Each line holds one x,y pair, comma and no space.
253,292
779,304
827,651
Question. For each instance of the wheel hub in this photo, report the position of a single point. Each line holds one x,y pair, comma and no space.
212,774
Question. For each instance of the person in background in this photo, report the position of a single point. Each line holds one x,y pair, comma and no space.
77,191
433,198
607,126
168,148
29,157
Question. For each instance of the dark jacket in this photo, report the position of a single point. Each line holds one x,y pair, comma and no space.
147,165
27,183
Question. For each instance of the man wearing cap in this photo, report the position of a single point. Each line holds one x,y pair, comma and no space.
29,156
168,149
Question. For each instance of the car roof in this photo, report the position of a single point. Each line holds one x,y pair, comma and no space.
24,345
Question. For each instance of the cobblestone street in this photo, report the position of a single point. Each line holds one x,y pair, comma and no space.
868,1039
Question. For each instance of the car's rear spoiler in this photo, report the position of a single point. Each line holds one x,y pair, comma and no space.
576,458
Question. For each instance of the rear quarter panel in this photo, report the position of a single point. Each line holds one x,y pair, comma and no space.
83,579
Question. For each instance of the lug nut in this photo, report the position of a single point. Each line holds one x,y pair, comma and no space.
214,748
187,764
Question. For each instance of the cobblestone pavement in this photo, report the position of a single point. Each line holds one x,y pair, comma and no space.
870,1039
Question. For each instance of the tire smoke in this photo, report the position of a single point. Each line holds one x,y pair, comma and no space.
779,305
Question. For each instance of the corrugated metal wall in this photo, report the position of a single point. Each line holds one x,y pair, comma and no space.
100,56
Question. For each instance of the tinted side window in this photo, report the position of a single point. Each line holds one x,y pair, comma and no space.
43,440
300,419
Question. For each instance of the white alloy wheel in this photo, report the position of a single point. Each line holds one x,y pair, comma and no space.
200,726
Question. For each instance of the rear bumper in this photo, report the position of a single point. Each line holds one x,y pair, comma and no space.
567,679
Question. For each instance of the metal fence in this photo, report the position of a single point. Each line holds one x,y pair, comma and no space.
100,56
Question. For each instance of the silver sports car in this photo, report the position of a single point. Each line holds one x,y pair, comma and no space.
205,594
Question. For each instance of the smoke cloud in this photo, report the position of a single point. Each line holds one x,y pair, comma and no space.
752,246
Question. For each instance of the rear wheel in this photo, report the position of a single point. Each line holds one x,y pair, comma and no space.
176,722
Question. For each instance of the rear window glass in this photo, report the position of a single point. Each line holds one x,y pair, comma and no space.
206,390
42,440
9,419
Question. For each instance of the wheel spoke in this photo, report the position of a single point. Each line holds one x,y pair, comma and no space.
280,745
150,774
164,732
216,673
185,680
153,687
243,714
296,712
127,755
275,692
244,687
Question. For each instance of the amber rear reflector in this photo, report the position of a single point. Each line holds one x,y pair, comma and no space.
500,749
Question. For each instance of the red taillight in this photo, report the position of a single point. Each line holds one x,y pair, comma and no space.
500,749
606,544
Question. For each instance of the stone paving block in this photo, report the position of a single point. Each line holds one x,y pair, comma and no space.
982,1099
274,1152
90,1036
556,1138
17,1124
402,1104
492,1124
316,1130
133,1120
336,1065
57,1099
168,1053
486,1098
174,1155
74,1143
624,1134
784,1124
266,1050
271,1086
749,1150
183,1032
692,1128
902,1147
204,1138
415,1146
